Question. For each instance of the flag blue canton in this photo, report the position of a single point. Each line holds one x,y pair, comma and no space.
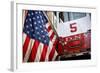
35,26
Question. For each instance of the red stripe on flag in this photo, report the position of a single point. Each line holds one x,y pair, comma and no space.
49,28
25,46
55,42
52,35
51,54
34,51
43,55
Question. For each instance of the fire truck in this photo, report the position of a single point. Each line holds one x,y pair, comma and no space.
74,35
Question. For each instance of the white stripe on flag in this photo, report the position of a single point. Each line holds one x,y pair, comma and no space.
48,51
55,54
47,25
24,37
50,32
31,43
54,39
39,52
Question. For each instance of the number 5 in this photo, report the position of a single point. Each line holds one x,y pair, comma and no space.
73,27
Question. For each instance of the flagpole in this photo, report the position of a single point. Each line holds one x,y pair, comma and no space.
51,23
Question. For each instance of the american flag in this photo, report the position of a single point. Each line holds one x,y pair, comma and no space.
39,39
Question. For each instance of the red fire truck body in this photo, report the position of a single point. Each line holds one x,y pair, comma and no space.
75,43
